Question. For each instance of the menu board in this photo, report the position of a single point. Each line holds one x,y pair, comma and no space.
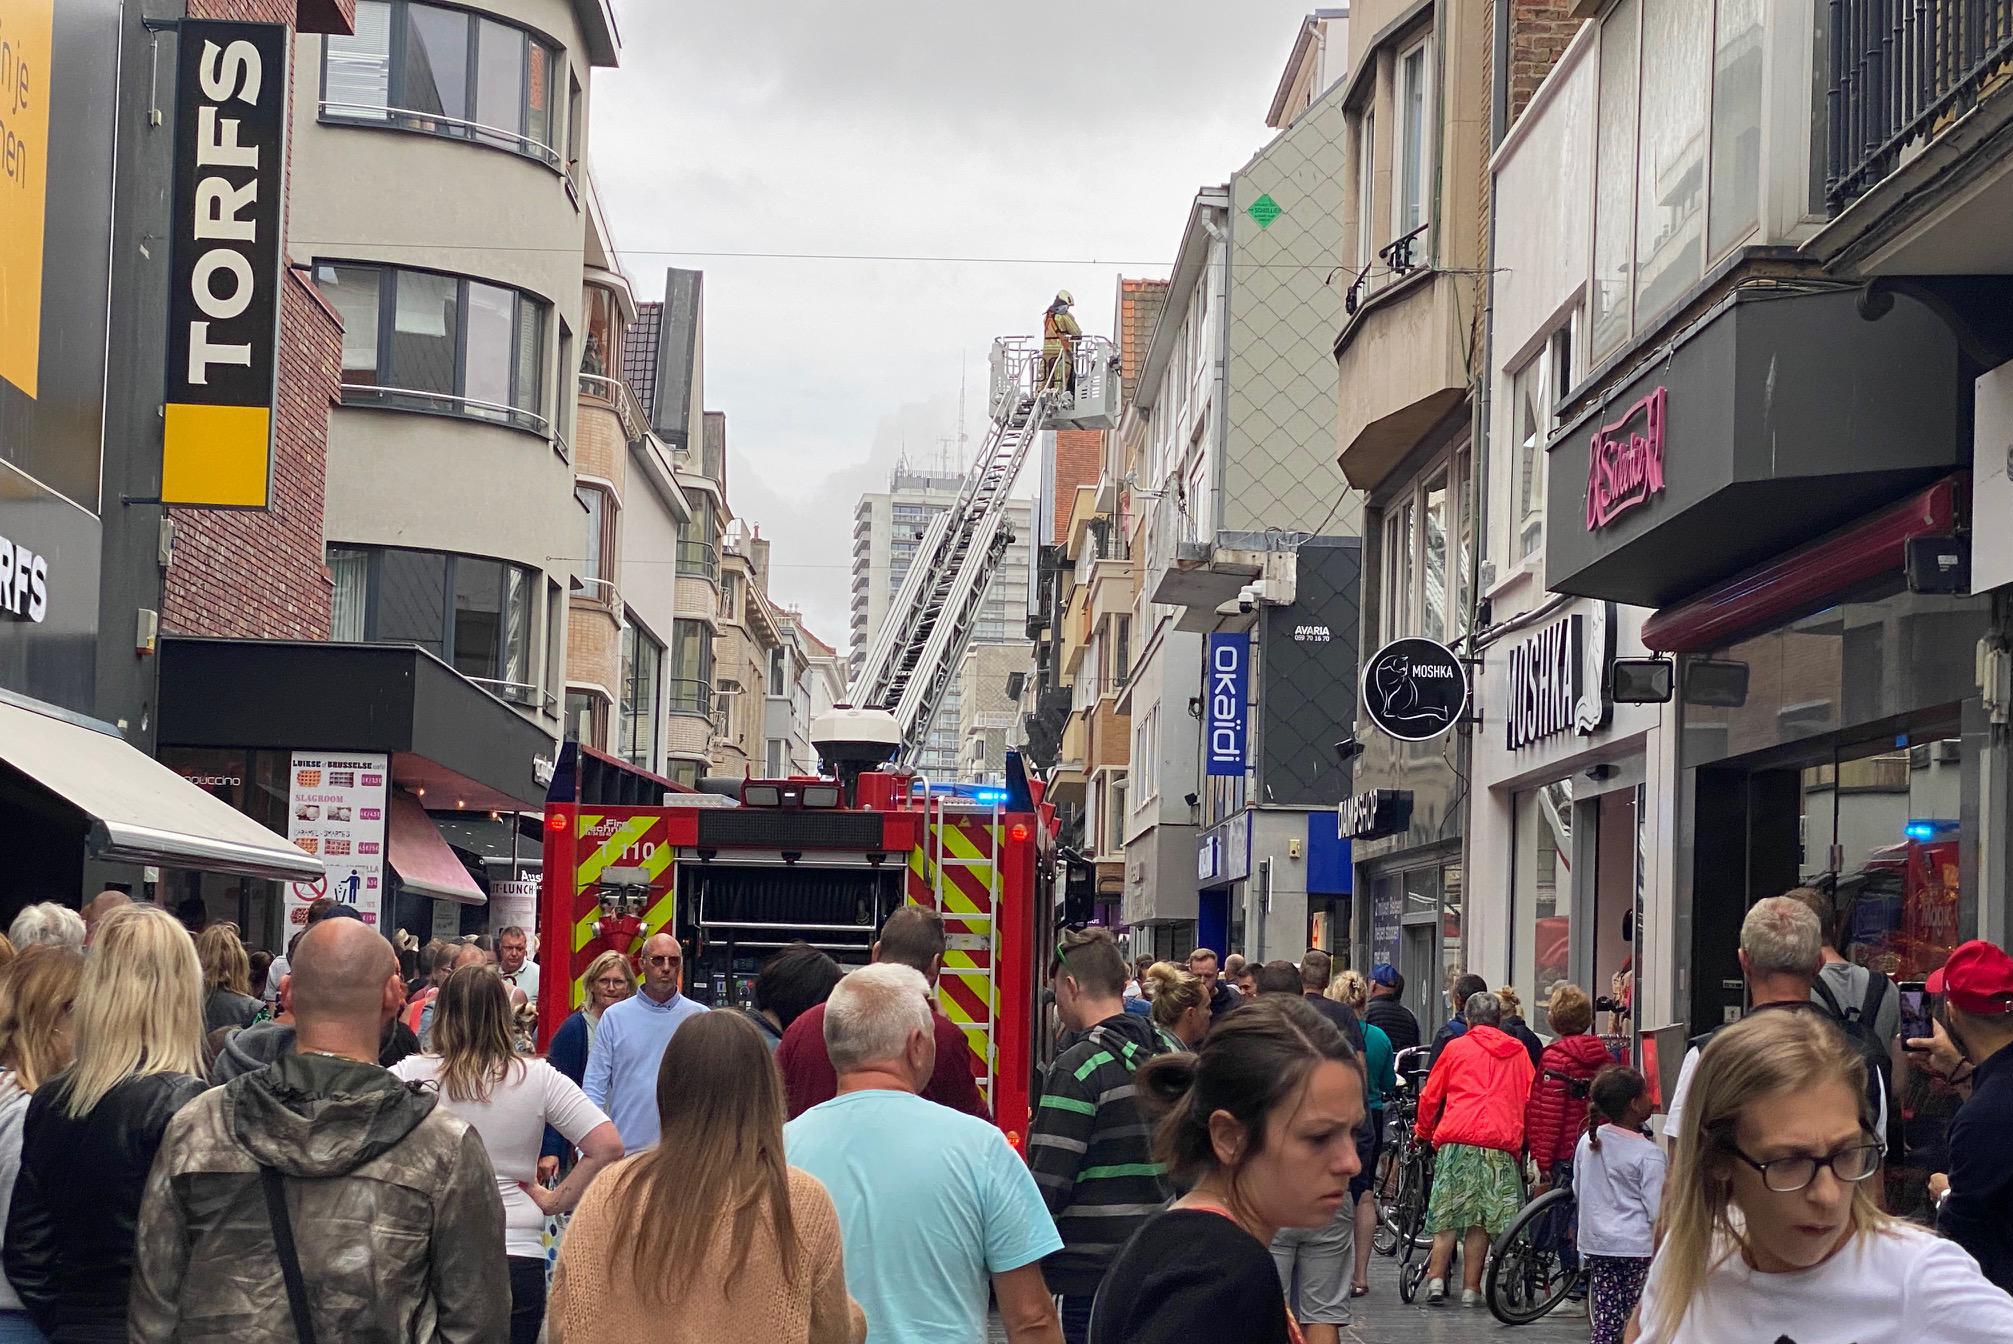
336,812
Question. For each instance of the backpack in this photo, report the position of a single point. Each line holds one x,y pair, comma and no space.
1857,1024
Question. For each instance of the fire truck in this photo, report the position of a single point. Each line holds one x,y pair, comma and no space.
740,869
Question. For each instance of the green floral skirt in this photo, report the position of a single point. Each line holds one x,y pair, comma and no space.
1473,1187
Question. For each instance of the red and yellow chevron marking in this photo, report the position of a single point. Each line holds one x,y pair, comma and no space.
960,852
630,841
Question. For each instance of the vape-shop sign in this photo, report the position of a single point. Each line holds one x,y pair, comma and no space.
336,812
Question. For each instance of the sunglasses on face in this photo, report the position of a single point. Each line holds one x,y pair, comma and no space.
666,961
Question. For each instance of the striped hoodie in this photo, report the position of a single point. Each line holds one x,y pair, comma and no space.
1091,1151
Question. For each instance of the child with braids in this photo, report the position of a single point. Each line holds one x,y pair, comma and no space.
1618,1180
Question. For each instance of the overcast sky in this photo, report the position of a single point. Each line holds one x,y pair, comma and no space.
1071,135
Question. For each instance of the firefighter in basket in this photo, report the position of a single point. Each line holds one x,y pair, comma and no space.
1058,343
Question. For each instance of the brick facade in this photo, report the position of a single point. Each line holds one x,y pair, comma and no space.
1079,460
1540,32
261,575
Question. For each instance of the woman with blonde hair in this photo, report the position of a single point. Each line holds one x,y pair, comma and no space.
227,979
36,991
1770,1228
1180,1005
1380,1067
741,1243
95,1127
509,1100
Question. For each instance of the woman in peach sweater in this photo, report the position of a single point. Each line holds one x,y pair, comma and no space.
709,1235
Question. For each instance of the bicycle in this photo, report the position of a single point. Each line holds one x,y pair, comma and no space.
1534,1265
1412,1165
1397,1163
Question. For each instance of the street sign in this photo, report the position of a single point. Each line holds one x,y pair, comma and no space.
1415,689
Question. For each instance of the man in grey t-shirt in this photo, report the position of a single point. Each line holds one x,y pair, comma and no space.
1847,982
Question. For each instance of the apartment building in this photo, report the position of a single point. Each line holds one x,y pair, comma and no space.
664,361
1225,459
807,677
751,657
986,713
886,529
623,606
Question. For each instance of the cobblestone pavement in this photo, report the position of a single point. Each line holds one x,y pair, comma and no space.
1382,1319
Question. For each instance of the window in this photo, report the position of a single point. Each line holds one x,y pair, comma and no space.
1121,651
1366,178
727,709
1114,836
776,758
1614,173
1412,165
474,614
691,667
1537,390
642,666
555,642
445,72
601,357
779,672
597,559
587,719
1736,123
1670,154
1542,888
1422,576
423,341
730,596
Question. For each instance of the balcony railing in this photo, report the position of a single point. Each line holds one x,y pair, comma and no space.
615,393
1898,69
445,403
689,697
698,559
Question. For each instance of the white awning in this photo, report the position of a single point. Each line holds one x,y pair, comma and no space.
141,811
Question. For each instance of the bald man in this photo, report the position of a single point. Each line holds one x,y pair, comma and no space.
629,1044
99,906
390,1200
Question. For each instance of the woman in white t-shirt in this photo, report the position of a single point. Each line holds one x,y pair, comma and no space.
1618,1182
1770,1230
509,1100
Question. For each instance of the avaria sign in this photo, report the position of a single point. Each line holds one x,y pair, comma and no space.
1625,462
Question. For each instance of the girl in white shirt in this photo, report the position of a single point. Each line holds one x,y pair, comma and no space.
1618,1181
509,1100
1771,1233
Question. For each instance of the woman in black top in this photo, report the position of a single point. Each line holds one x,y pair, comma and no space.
1259,1127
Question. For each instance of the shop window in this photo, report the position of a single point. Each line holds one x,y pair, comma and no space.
424,341
1541,892
446,72
474,614
642,666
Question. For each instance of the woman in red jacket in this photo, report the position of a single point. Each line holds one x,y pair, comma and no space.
1557,1113
1472,1112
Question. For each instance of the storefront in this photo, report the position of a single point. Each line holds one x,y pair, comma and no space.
398,773
1762,487
1568,788
1409,890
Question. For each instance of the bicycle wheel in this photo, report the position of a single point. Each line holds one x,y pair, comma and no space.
1390,1177
1411,1274
1527,1275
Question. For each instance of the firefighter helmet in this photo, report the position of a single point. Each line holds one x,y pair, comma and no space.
1062,297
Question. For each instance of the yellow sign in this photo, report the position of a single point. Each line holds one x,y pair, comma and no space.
27,48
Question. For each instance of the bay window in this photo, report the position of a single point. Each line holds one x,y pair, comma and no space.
475,614
447,72
642,668
1426,533
444,344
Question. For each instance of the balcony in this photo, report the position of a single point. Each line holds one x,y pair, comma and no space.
696,559
1902,74
684,696
614,394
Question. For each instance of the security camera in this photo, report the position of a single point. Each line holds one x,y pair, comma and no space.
1347,750
1247,598
1191,798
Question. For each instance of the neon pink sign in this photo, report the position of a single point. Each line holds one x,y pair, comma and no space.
1625,462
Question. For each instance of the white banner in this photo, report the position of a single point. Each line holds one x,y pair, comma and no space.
336,811
513,903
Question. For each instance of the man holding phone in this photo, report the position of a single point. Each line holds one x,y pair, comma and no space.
1968,1048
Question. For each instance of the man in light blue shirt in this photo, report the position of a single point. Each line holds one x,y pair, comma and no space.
933,1204
629,1044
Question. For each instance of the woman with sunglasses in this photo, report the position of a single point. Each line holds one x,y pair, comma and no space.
1770,1229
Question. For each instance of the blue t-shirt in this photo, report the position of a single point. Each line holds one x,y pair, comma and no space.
931,1204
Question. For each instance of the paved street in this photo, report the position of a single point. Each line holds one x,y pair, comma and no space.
1382,1319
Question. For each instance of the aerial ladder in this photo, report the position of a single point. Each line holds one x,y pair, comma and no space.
915,654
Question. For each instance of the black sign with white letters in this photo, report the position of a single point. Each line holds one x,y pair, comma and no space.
1414,689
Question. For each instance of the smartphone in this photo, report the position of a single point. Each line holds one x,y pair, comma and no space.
1915,1012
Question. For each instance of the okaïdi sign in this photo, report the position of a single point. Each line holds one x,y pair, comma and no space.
1625,462
225,266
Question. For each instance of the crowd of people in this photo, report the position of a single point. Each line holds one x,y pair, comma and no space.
373,1152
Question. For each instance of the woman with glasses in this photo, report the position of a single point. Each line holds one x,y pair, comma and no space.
1770,1229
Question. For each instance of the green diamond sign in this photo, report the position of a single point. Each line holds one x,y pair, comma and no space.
1264,210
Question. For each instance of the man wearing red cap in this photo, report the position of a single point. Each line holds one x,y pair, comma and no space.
1975,1207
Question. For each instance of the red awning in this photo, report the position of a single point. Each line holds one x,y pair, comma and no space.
423,860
